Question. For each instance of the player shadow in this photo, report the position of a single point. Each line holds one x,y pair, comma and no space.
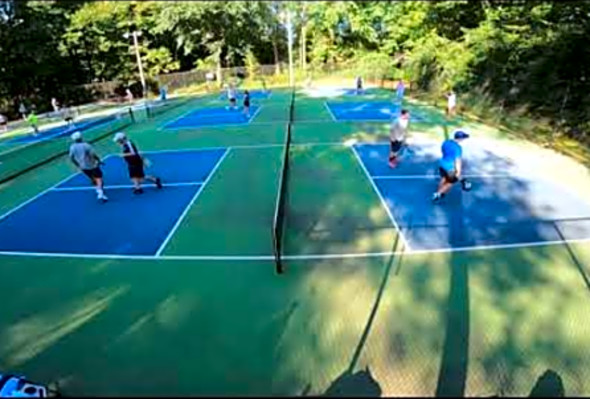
452,375
354,384
362,383
549,385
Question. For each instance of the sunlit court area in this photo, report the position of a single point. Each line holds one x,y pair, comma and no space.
294,198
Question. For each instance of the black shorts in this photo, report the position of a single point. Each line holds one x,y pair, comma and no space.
396,146
136,170
92,174
246,103
232,100
449,176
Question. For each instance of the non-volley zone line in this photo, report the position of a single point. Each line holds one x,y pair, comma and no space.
437,176
305,257
124,186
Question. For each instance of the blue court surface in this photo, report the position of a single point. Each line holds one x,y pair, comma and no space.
367,111
363,92
63,130
254,95
502,209
68,218
213,117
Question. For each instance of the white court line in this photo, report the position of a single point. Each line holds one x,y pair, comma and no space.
330,111
121,186
308,257
212,126
255,115
71,176
403,238
16,208
190,204
246,147
192,127
410,177
164,124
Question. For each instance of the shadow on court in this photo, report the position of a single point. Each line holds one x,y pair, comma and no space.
509,322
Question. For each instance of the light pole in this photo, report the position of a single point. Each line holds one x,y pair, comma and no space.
135,34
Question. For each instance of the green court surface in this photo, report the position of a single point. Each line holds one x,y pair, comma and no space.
211,316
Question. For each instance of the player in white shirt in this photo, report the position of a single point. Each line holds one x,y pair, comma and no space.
451,103
398,135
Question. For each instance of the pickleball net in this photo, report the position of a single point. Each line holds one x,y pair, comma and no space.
278,227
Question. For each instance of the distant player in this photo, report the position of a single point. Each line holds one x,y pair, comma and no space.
34,122
450,165
22,110
400,90
231,96
55,105
264,88
3,123
129,95
135,163
85,158
451,103
247,103
397,136
359,85
67,115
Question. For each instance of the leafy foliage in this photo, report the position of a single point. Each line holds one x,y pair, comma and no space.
521,54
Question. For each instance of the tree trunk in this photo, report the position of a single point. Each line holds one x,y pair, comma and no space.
303,47
218,74
275,49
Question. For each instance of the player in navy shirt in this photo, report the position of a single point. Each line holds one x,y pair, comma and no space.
359,85
135,163
247,103
450,164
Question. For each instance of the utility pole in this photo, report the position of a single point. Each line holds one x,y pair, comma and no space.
135,34
290,40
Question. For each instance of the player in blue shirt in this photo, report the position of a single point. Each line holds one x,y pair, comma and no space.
450,164
401,88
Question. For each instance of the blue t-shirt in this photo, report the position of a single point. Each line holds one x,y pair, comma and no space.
400,91
451,150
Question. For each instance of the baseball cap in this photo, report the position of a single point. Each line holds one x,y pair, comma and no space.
460,134
119,136
76,136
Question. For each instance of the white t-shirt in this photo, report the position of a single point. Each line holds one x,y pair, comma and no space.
399,129
452,100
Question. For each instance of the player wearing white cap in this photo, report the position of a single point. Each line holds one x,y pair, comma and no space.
85,158
135,163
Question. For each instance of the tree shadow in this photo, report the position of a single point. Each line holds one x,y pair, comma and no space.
362,383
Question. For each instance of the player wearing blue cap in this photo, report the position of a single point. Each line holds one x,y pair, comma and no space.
450,165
